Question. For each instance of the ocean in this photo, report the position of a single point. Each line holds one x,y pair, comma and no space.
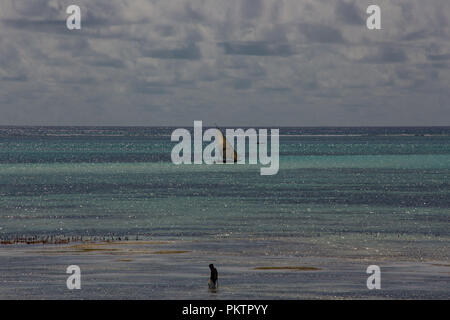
356,193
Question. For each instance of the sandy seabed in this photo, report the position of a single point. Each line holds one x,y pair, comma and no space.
282,268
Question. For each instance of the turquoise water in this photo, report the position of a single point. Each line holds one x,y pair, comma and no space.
120,181
343,199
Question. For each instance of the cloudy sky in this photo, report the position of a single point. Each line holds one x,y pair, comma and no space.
230,62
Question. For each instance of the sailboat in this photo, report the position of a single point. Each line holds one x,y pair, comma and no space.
227,151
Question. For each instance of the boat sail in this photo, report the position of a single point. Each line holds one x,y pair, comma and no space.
226,150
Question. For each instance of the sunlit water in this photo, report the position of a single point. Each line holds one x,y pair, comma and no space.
120,181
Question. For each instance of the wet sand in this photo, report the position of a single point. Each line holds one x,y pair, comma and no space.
248,269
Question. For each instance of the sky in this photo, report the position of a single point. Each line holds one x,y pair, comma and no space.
235,62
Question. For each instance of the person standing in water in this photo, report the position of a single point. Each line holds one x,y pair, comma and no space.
213,279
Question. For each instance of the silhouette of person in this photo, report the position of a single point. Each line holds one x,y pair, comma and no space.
212,282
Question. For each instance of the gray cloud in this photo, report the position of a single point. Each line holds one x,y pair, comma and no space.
149,88
189,52
386,54
252,9
18,78
439,57
49,26
321,33
105,61
242,84
257,48
349,13
416,35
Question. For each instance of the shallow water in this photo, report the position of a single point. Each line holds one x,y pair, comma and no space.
179,270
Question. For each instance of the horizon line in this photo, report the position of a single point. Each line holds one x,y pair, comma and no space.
214,126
